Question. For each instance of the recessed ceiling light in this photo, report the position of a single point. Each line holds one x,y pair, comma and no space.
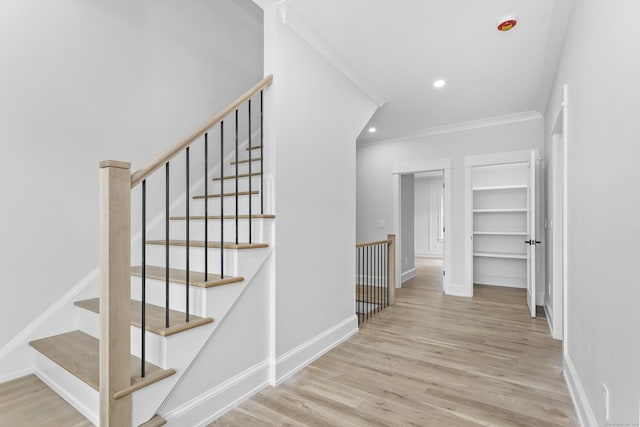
372,130
438,83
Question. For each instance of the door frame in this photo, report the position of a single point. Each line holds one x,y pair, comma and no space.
407,168
559,146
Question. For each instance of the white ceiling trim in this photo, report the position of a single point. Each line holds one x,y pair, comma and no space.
462,126
298,24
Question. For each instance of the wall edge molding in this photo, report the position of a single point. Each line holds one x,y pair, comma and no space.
65,299
299,25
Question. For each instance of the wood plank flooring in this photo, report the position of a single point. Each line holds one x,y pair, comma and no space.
27,401
429,360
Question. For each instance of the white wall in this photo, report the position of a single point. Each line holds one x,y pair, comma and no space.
375,164
428,190
315,115
87,81
407,255
601,65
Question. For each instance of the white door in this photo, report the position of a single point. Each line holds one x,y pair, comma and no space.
531,236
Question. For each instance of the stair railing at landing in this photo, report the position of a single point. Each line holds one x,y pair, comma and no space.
375,277
116,183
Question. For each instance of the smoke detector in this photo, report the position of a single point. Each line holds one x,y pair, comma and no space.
507,24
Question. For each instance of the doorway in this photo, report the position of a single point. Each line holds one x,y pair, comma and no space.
427,237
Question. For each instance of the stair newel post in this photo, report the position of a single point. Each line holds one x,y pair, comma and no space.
115,284
391,270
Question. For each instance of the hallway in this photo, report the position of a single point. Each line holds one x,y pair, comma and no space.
429,360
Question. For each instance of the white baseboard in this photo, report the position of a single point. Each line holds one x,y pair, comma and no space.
294,360
428,254
586,417
215,402
15,375
459,290
540,298
410,274
507,282
549,315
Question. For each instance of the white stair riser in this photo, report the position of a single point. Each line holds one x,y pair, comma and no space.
161,351
203,302
156,295
229,204
230,185
75,391
177,258
243,167
177,230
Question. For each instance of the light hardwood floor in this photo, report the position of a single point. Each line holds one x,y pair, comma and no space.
27,401
429,360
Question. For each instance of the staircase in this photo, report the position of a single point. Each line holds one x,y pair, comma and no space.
137,338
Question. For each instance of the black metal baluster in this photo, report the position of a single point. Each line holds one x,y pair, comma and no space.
367,280
261,159
250,176
206,207
236,177
143,315
166,245
386,274
221,200
358,275
186,280
379,277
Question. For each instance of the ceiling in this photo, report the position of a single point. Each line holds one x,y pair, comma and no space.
402,46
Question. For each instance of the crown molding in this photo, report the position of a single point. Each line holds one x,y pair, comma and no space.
460,127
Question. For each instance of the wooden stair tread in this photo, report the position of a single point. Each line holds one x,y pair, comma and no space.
257,159
241,175
210,245
27,401
78,353
213,196
200,217
255,147
156,421
155,317
196,278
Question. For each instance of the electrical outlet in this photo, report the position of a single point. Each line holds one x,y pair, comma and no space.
382,223
406,261
605,395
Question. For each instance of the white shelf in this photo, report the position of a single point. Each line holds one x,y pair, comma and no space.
499,210
500,187
500,255
501,233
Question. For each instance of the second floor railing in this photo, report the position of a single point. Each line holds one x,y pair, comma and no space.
375,277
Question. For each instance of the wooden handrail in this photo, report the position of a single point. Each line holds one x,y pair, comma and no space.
143,173
378,242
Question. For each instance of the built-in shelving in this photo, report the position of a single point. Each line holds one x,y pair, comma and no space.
500,187
506,210
500,233
500,225
505,255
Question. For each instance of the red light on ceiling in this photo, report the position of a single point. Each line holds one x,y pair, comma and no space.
506,25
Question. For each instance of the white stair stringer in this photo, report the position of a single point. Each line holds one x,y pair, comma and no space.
177,351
